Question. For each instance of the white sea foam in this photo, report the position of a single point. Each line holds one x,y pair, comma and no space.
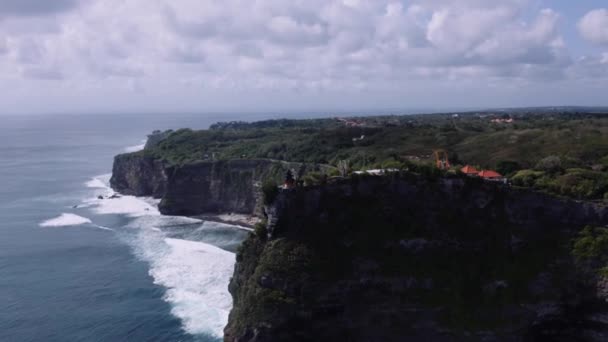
136,148
96,183
211,224
125,205
103,227
100,182
195,274
65,220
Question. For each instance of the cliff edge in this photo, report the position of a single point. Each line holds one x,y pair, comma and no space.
404,258
203,187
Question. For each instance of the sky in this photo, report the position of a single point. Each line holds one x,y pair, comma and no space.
115,56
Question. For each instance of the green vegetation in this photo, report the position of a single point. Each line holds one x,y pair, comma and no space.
590,250
577,183
270,191
561,153
591,244
272,269
260,230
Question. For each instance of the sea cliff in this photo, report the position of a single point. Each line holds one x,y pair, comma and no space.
202,187
408,258
401,257
139,175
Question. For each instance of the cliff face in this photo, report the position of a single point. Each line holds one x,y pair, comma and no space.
406,259
138,175
221,186
199,188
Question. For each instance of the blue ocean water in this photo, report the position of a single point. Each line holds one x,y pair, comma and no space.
75,268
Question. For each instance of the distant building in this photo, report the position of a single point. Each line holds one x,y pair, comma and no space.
492,176
376,172
509,120
489,175
470,170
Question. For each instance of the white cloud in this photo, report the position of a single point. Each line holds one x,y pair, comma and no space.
198,46
594,26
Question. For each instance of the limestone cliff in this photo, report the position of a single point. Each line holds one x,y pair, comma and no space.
404,258
205,187
221,186
139,175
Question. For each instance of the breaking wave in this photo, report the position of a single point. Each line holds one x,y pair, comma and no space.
65,220
183,256
136,148
125,205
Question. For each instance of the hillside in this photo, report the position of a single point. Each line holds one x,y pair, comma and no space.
575,143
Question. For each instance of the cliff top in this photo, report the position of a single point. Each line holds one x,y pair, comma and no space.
565,154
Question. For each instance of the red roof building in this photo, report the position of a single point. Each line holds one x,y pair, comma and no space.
470,170
490,175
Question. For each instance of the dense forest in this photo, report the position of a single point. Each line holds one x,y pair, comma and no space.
562,153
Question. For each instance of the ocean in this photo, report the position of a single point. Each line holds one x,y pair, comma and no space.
77,268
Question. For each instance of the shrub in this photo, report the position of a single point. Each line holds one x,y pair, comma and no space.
604,161
260,230
392,164
551,164
315,178
507,167
591,245
526,178
333,173
270,191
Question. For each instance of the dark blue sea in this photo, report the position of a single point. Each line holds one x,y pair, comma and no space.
76,268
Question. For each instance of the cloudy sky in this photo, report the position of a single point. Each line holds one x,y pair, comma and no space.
95,56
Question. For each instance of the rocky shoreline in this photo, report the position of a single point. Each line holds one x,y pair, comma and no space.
245,221
383,257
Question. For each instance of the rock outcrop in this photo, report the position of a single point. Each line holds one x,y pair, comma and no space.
137,174
220,186
205,187
402,258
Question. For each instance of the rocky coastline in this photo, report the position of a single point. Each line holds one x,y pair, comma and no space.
404,258
393,258
202,188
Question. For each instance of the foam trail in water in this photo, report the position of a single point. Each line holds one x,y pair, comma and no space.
136,148
96,183
126,205
100,182
103,227
195,274
65,220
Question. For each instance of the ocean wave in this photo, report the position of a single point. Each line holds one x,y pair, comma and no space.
65,220
103,227
122,205
100,182
96,183
136,148
126,205
195,274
